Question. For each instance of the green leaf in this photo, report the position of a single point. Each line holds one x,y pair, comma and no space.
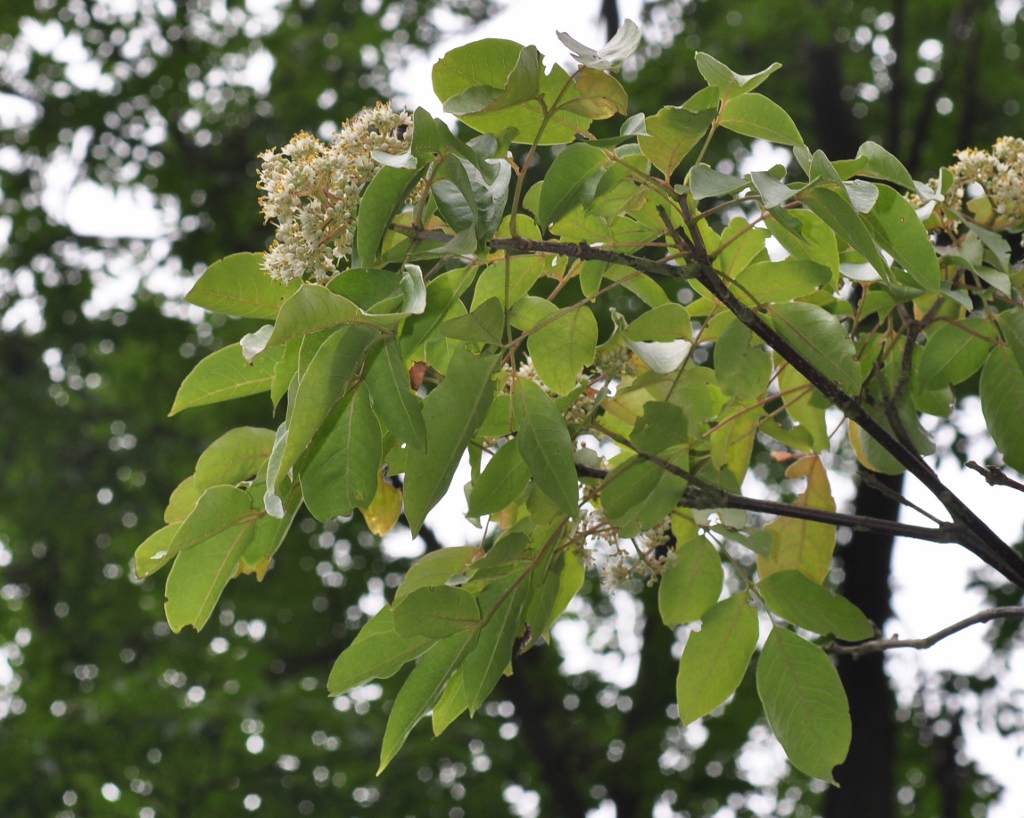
805,703
233,457
839,214
601,95
451,705
881,164
340,471
691,584
816,241
182,500
365,287
642,496
716,657
490,62
773,281
268,533
757,116
501,482
486,324
529,311
821,339
311,309
502,605
200,574
863,195
569,583
377,652
1012,324
899,230
661,426
237,285
225,375
285,370
452,413
523,272
1002,402
383,198
664,323
773,193
728,82
154,552
219,509
436,612
393,400
435,568
323,384
672,133
522,84
422,690
567,179
545,445
707,183
442,294
453,193
804,406
808,605
561,348
953,353
741,369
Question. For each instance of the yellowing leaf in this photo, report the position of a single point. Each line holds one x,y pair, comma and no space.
802,544
382,514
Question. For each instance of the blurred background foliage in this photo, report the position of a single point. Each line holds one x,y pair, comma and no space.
102,711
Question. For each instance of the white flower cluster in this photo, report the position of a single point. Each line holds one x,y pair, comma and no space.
1000,173
312,191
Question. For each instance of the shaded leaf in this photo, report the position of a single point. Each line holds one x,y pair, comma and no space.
452,413
545,445
344,459
393,401
501,482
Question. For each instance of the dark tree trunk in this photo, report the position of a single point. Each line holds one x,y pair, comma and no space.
610,15
866,778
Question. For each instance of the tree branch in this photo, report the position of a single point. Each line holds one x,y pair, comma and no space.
699,494
588,252
875,645
974,534
995,476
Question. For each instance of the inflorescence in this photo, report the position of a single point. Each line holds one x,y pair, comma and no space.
312,191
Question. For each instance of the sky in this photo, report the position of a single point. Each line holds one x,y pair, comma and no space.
929,580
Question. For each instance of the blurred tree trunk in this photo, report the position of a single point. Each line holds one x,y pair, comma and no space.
866,778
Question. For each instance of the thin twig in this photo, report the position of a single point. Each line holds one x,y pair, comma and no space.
875,645
995,476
